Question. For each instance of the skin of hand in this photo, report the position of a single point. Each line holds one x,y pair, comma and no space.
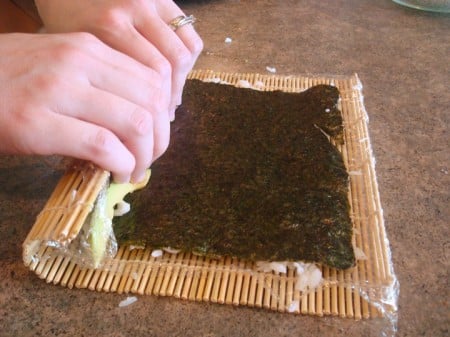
138,28
71,94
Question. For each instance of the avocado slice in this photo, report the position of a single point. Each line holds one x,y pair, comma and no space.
101,230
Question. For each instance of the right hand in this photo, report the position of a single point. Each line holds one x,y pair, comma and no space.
72,95
137,28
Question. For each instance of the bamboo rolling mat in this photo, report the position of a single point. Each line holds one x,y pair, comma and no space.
365,291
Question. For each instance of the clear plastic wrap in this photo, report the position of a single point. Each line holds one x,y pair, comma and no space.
57,244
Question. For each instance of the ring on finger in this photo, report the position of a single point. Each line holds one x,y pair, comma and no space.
181,20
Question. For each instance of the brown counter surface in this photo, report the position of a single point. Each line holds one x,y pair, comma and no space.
402,58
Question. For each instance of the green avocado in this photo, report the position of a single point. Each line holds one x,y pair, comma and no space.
101,229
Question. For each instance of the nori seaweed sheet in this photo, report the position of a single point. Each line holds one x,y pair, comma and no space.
248,174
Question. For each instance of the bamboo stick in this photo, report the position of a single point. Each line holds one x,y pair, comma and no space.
94,279
43,262
87,278
243,300
258,289
216,282
348,295
196,280
140,270
62,270
175,275
341,294
304,303
181,277
134,276
188,279
312,302
231,287
53,214
73,277
253,289
50,275
224,281
107,285
203,280
161,274
68,274
293,301
168,275
209,281
101,280
239,282
282,304
59,222
53,201
78,281
319,300
70,218
334,293
326,292
153,275
126,272
273,292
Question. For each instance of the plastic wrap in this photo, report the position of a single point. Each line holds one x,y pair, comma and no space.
365,295
65,222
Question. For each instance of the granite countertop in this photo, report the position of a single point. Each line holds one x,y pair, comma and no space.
402,58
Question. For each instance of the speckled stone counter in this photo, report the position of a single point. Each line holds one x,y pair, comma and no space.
402,58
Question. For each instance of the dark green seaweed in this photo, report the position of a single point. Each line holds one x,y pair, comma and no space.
249,174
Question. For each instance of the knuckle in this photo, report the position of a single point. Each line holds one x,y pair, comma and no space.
103,149
159,101
114,19
73,50
182,58
154,93
49,84
66,52
162,68
98,142
141,121
197,46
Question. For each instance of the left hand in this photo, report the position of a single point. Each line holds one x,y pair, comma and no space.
138,28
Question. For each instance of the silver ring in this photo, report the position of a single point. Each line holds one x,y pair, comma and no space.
180,21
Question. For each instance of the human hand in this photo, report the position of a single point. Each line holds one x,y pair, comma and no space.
70,94
137,28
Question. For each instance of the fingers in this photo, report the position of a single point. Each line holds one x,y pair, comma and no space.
168,11
131,80
93,103
63,135
145,134
137,28
131,101
118,116
158,69
180,47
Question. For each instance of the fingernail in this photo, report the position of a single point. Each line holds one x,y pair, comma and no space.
121,179
137,178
